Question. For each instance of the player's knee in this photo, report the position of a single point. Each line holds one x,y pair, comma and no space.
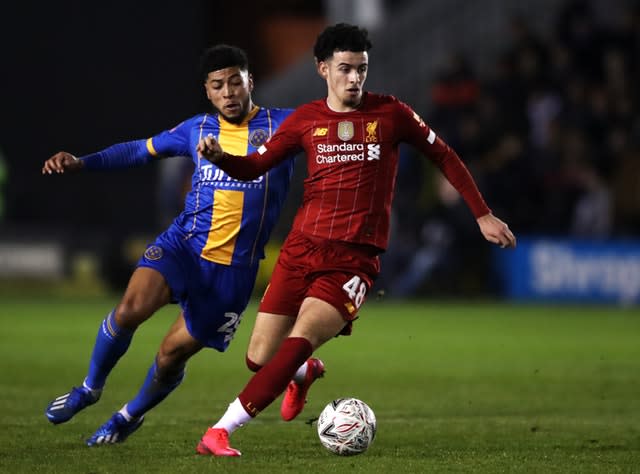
131,312
253,366
169,369
174,353
169,362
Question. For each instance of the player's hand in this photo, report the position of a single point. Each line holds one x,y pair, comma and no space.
61,162
210,149
496,231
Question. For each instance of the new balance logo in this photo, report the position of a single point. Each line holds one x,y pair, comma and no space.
320,132
373,151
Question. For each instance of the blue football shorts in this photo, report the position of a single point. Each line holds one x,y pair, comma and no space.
212,296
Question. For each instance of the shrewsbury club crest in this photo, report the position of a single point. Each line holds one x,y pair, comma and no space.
258,137
153,252
345,131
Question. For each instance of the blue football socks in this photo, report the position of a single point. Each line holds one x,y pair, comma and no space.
154,390
111,344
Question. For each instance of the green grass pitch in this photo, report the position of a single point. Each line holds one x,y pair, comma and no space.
456,388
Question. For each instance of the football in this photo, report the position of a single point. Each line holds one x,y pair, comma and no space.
347,426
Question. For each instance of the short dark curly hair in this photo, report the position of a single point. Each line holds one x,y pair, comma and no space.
222,56
341,37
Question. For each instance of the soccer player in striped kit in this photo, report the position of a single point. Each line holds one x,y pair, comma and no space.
206,260
330,258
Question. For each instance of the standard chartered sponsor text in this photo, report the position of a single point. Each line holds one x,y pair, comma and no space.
350,148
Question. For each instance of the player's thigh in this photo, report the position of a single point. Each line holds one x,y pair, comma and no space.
146,292
268,332
178,346
318,321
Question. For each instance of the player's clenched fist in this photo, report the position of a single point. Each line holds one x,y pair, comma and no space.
61,162
210,149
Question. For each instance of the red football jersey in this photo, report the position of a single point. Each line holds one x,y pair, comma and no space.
352,161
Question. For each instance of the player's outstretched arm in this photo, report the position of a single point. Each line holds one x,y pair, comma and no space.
496,231
281,147
61,162
210,149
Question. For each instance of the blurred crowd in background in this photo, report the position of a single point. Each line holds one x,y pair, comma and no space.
552,136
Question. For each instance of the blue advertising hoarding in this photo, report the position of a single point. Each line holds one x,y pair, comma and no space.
547,269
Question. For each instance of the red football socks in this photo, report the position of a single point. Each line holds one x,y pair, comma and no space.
253,367
270,381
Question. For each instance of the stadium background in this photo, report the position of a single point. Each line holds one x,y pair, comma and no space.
539,99
462,379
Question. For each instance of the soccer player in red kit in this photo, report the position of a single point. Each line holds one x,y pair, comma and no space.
330,258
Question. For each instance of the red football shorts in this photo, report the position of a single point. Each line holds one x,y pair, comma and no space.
338,273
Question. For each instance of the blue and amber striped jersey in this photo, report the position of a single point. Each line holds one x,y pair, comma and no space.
225,220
